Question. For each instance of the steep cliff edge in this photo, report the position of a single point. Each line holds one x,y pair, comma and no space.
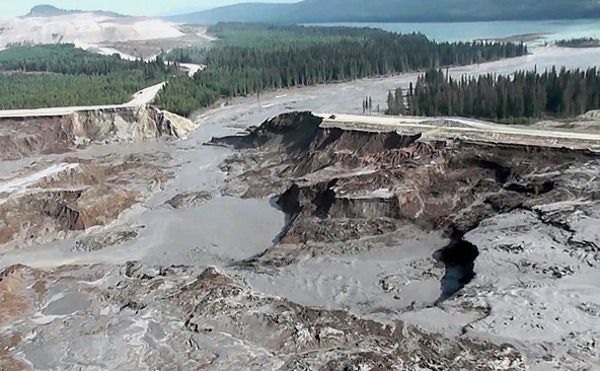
25,136
46,202
41,200
328,173
519,256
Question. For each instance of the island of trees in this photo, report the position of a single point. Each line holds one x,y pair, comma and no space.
523,95
584,42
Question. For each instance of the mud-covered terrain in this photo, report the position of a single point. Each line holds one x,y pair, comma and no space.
131,246
62,193
520,223
47,202
41,134
182,318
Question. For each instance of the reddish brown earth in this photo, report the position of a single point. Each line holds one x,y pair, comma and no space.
359,279
341,185
204,305
21,289
26,136
90,194
45,201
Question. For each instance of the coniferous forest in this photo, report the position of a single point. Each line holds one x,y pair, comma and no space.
529,94
252,58
246,59
63,75
66,59
582,42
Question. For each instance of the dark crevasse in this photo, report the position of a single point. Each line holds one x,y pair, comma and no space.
290,208
459,258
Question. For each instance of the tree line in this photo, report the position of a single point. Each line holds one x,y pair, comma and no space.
528,94
583,42
247,59
314,55
68,60
38,90
63,75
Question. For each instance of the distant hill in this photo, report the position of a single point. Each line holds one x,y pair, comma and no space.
45,10
92,28
309,11
245,12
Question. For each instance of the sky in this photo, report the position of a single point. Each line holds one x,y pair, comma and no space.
9,8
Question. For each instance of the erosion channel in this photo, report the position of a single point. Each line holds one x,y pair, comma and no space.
373,202
301,246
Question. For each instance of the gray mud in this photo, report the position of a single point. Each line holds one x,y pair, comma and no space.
98,316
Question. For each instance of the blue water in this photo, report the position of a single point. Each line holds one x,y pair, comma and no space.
468,31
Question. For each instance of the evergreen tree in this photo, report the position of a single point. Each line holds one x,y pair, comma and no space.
526,94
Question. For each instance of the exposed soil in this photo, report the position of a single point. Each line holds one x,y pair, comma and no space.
365,183
356,280
209,330
28,136
356,193
45,203
190,199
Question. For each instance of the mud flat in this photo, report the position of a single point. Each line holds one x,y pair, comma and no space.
392,225
304,246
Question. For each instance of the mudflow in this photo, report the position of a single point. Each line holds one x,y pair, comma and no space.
314,248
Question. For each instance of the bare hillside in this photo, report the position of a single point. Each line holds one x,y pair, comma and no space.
84,28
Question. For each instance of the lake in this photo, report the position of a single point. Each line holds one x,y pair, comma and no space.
468,31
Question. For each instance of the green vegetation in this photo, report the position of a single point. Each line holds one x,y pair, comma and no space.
264,37
62,75
584,42
54,90
281,37
252,58
247,59
523,95
68,60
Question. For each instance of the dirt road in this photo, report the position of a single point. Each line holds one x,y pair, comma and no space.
462,127
142,97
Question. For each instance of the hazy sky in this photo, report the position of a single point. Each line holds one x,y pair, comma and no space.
10,8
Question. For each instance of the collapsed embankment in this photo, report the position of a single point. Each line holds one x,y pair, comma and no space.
377,179
36,135
42,201
339,187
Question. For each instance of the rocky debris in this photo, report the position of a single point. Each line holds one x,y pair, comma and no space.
136,316
44,202
103,240
376,176
27,136
520,219
190,199
355,280
14,281
21,290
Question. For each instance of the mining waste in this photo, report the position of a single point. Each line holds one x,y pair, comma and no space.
59,133
295,246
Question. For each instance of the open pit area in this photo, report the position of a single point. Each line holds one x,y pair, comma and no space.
268,237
